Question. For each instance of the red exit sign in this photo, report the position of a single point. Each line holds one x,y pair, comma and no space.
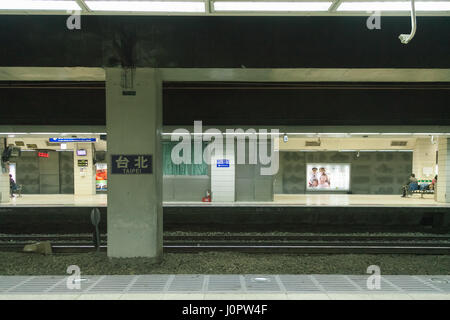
43,154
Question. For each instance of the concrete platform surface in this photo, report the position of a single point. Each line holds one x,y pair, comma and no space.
226,287
280,200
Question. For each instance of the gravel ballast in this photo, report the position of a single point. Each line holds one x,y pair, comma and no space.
12,263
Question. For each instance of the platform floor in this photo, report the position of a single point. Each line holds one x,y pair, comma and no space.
334,200
230,287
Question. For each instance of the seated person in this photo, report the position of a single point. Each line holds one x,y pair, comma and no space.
410,186
432,186
413,184
424,186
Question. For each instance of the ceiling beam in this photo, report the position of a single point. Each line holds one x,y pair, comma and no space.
334,6
83,6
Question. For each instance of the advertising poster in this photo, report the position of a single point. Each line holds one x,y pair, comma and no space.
327,176
101,177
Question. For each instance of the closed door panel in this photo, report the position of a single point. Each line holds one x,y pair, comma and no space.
49,173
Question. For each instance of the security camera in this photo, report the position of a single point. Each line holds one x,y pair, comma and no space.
405,38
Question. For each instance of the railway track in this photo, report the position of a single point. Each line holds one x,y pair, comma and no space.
315,244
200,238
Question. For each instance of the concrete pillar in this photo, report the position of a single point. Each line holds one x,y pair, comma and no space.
84,176
424,159
223,177
443,184
134,124
4,185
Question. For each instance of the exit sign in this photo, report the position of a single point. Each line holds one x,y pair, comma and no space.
43,154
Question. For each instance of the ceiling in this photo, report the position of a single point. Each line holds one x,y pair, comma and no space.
222,7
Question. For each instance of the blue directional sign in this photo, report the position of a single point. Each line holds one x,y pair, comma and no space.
72,139
223,163
131,164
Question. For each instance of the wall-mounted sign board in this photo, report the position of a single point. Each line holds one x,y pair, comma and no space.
223,163
83,163
72,140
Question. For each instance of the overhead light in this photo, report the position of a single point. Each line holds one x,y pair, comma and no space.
395,134
38,5
364,134
271,6
147,6
394,6
285,138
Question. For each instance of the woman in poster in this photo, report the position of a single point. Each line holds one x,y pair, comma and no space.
324,180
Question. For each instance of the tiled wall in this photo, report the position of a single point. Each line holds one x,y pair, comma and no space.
45,175
443,186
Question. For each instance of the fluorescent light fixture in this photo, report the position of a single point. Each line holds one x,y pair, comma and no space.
38,5
348,150
302,133
364,134
271,6
395,150
334,133
394,6
396,134
147,6
426,134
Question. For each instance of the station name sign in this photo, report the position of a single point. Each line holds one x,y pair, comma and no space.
72,140
132,164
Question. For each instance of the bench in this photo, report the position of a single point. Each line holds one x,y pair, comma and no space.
422,192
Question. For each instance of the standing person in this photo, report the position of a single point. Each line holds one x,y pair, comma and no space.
12,185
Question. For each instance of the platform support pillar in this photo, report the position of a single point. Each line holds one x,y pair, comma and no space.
84,170
424,159
134,126
443,184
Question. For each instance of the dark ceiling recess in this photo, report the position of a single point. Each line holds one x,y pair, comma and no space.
222,42
237,104
52,103
272,104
